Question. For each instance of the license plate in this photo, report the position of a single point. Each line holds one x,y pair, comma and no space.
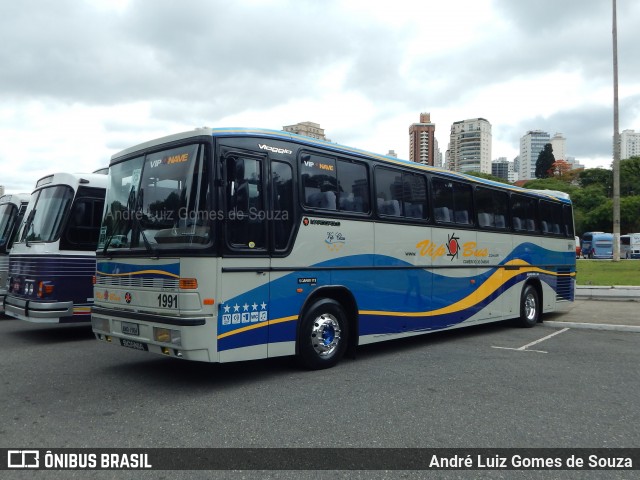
130,328
133,344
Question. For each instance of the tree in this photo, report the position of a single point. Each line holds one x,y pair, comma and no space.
545,162
488,176
630,176
551,184
597,176
560,169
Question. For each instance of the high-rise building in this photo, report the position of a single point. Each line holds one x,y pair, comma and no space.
422,140
470,146
437,160
503,168
575,164
392,153
531,145
1,190
558,144
629,144
308,129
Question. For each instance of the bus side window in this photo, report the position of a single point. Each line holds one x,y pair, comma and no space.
524,211
84,223
567,217
388,191
283,213
353,187
452,202
319,182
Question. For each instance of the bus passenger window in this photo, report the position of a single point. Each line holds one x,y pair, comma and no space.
353,187
491,206
388,192
401,194
524,211
452,202
319,182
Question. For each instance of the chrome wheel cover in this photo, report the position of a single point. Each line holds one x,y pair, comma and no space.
530,307
325,335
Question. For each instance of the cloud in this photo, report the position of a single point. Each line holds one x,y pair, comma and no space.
82,80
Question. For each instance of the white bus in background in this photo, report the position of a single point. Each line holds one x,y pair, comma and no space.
12,208
53,259
630,245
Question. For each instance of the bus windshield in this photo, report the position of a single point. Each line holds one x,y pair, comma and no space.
50,207
8,214
158,201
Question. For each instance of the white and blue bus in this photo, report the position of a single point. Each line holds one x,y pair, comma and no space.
12,208
221,245
52,263
630,245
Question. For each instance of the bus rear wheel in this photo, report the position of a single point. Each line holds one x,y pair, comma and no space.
323,335
529,307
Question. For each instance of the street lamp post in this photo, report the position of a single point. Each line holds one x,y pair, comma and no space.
616,145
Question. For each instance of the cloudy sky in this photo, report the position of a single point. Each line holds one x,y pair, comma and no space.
81,80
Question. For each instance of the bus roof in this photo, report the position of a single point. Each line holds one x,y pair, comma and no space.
15,198
74,180
334,147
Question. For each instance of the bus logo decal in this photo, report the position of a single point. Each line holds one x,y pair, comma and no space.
274,149
453,246
335,241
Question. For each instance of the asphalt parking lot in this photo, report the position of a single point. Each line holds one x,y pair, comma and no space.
487,386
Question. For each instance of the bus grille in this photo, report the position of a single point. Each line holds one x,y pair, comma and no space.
141,282
564,285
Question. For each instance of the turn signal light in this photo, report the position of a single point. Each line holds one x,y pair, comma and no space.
188,283
44,288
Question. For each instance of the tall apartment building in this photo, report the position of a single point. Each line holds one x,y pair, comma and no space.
629,144
308,129
503,168
558,144
422,144
1,190
531,145
437,160
470,146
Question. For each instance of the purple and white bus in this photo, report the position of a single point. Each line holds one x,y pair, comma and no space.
12,208
53,260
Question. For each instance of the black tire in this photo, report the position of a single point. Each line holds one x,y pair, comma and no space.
323,335
530,307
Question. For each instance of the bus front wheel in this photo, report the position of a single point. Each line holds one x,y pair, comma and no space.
529,307
323,335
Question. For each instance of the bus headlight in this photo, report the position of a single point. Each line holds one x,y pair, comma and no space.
166,335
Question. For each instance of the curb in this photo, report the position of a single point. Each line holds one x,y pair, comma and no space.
592,326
